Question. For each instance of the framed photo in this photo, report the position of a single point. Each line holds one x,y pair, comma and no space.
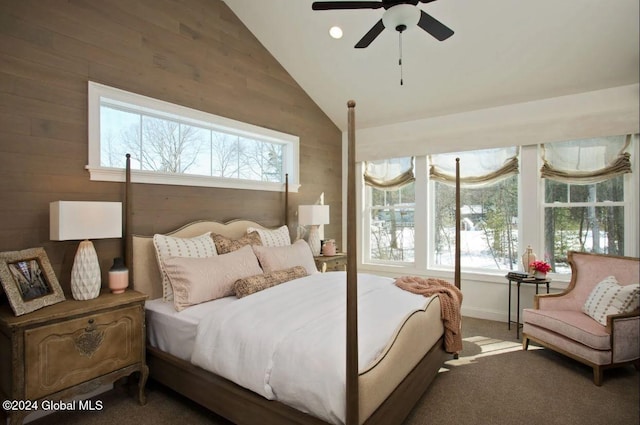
28,280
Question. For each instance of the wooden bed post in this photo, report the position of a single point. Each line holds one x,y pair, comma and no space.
128,255
456,277
352,406
286,200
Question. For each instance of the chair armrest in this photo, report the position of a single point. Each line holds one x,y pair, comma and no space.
558,301
625,336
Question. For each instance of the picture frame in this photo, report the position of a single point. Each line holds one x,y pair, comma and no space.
28,280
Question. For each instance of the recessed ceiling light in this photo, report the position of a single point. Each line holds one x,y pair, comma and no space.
335,32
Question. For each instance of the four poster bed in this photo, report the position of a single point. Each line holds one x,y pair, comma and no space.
302,378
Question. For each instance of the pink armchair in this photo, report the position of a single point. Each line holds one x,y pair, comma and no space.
558,322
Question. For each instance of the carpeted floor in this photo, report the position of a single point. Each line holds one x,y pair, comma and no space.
493,382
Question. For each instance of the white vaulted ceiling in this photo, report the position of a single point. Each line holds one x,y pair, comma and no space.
503,52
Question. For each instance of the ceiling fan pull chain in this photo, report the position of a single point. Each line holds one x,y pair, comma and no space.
400,60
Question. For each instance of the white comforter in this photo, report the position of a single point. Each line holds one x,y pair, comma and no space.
288,342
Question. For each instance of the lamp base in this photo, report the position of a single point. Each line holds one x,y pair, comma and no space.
85,274
314,240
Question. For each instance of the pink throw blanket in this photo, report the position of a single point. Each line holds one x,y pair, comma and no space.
450,302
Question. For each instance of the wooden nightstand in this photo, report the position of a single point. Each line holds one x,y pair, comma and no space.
71,348
331,263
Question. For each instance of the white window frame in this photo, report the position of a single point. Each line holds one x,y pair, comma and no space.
367,220
530,232
99,93
630,203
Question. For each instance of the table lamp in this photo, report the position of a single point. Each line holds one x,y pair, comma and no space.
313,216
84,220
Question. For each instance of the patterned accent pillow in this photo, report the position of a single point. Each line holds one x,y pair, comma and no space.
284,257
273,237
609,297
168,246
225,245
252,284
198,280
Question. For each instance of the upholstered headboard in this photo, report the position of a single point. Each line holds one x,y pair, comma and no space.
146,272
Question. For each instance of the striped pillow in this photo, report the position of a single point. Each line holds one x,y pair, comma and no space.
609,297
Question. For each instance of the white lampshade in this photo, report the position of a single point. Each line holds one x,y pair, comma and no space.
309,215
84,220
79,220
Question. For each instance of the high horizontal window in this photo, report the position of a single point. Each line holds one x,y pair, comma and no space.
172,144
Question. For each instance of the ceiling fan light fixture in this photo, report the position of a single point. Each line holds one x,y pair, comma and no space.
401,17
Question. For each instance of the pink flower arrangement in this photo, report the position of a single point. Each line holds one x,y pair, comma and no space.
540,266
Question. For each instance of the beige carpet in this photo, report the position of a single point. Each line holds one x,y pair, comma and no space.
493,382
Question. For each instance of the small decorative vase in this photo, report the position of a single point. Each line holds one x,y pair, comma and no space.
329,248
85,273
527,258
540,275
118,276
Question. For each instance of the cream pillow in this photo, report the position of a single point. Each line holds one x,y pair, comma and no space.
273,237
169,246
609,297
197,280
285,257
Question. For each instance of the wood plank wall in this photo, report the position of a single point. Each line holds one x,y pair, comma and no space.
194,53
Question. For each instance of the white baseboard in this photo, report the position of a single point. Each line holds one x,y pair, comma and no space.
479,313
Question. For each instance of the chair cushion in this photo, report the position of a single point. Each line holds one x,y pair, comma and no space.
609,297
559,342
574,325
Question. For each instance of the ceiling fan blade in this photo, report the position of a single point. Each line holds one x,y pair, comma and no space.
333,5
426,1
434,27
371,35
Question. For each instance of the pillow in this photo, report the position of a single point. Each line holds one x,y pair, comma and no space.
252,284
197,280
609,297
273,237
169,246
225,245
284,257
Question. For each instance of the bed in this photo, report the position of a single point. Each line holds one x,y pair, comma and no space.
379,384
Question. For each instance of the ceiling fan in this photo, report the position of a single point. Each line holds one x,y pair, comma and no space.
399,15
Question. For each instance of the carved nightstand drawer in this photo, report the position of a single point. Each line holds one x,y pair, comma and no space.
64,354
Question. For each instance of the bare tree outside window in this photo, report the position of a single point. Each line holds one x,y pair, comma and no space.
165,146
392,234
225,152
489,236
587,218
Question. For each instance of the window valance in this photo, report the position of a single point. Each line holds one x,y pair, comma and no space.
586,161
477,168
389,173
